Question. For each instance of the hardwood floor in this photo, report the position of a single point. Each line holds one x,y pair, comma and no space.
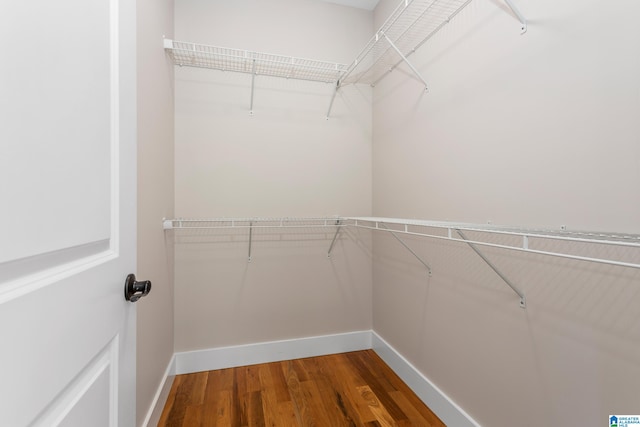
348,389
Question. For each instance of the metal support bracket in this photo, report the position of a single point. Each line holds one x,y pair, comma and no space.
404,58
518,15
253,82
335,92
523,300
335,237
384,227
250,238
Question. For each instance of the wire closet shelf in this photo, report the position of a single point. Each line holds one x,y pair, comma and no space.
301,225
518,239
409,27
564,243
510,238
250,62
229,223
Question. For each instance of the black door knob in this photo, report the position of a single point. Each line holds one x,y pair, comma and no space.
134,290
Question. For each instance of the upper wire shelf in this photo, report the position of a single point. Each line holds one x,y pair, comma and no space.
410,26
226,223
249,62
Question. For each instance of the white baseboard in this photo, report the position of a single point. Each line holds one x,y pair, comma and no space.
273,351
160,399
445,408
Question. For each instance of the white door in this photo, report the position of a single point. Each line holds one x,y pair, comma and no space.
67,212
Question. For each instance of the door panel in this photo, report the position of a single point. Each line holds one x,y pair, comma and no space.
67,184
57,90
81,412
90,390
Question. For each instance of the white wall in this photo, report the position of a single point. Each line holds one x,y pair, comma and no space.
534,130
539,129
285,160
155,199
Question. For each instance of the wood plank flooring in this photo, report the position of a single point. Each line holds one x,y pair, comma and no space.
349,389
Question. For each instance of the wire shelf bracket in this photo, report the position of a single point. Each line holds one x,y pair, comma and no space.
385,228
253,84
333,97
519,16
523,300
250,239
335,236
406,61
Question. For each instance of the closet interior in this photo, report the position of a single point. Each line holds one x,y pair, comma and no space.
442,215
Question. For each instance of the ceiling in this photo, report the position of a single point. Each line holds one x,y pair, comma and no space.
360,4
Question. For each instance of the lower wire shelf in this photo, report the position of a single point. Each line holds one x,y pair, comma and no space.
565,243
